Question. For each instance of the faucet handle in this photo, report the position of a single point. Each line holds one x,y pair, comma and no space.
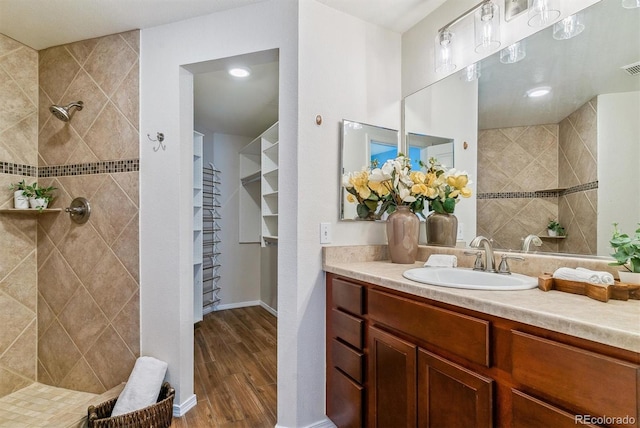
477,265
504,265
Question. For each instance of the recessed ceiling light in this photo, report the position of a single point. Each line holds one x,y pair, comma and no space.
240,71
538,92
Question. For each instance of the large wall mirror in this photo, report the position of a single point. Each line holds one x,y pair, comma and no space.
570,154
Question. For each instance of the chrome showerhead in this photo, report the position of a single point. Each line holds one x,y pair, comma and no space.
64,113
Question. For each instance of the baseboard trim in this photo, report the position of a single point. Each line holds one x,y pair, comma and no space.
247,304
269,309
182,408
324,423
238,305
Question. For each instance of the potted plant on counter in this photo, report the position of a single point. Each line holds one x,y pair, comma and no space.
21,194
555,229
627,254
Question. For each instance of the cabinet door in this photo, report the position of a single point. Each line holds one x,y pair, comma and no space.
392,381
452,396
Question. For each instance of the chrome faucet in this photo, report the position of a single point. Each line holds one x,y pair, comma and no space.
490,265
531,239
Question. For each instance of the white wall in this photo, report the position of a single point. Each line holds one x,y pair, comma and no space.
450,110
240,263
618,153
418,43
166,105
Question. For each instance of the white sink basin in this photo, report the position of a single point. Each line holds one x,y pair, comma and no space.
470,279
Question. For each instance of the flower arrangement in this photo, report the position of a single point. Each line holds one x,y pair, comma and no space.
379,190
627,249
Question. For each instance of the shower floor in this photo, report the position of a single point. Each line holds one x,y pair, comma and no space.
40,405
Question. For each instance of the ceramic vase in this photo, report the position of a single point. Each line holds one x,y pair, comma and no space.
38,203
629,277
442,229
403,228
20,201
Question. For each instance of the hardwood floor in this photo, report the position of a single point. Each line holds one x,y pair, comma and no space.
235,370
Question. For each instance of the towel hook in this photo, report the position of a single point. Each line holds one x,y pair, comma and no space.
159,139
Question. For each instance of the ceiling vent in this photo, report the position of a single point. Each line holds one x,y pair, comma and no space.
632,69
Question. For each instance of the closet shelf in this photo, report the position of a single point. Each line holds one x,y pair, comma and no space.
252,178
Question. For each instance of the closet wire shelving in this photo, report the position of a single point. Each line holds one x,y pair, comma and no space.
211,239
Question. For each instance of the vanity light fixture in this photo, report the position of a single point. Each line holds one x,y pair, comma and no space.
240,72
542,12
444,62
487,27
630,4
568,27
487,34
538,92
471,72
514,53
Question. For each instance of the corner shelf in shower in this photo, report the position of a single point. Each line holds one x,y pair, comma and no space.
29,211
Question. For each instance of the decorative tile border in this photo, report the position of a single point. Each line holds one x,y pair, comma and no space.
545,194
102,167
18,169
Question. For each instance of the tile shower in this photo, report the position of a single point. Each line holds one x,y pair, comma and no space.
70,293
514,164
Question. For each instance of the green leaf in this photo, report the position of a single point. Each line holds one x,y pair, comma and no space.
437,206
371,205
449,205
362,210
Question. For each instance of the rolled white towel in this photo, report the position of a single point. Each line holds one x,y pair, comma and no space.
441,260
143,387
575,275
603,277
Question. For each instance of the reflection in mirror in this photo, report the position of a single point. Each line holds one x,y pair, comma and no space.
570,155
363,144
422,147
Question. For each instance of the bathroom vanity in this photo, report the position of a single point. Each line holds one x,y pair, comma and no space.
403,354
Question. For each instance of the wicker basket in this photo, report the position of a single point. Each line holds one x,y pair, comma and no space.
158,415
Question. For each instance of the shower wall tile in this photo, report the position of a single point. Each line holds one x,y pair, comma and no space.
518,159
96,311
57,69
535,158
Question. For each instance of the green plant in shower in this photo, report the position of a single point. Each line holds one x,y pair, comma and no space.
627,249
22,185
40,193
556,227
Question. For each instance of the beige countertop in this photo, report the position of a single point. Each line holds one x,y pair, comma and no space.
615,323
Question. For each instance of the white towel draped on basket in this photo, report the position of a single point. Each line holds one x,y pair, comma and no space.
143,387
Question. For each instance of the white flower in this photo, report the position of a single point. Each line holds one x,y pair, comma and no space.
379,175
405,195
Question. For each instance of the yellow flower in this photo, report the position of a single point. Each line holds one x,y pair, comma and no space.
417,177
454,194
465,192
430,179
359,181
351,198
419,189
458,182
379,187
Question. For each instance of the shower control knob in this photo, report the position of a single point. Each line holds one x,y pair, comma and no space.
80,210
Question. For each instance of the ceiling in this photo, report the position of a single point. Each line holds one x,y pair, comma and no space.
222,104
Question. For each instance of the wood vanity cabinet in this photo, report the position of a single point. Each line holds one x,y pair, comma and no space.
398,360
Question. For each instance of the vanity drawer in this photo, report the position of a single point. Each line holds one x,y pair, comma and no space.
465,336
348,328
591,382
529,412
345,400
347,359
348,296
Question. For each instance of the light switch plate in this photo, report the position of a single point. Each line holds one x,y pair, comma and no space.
325,233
